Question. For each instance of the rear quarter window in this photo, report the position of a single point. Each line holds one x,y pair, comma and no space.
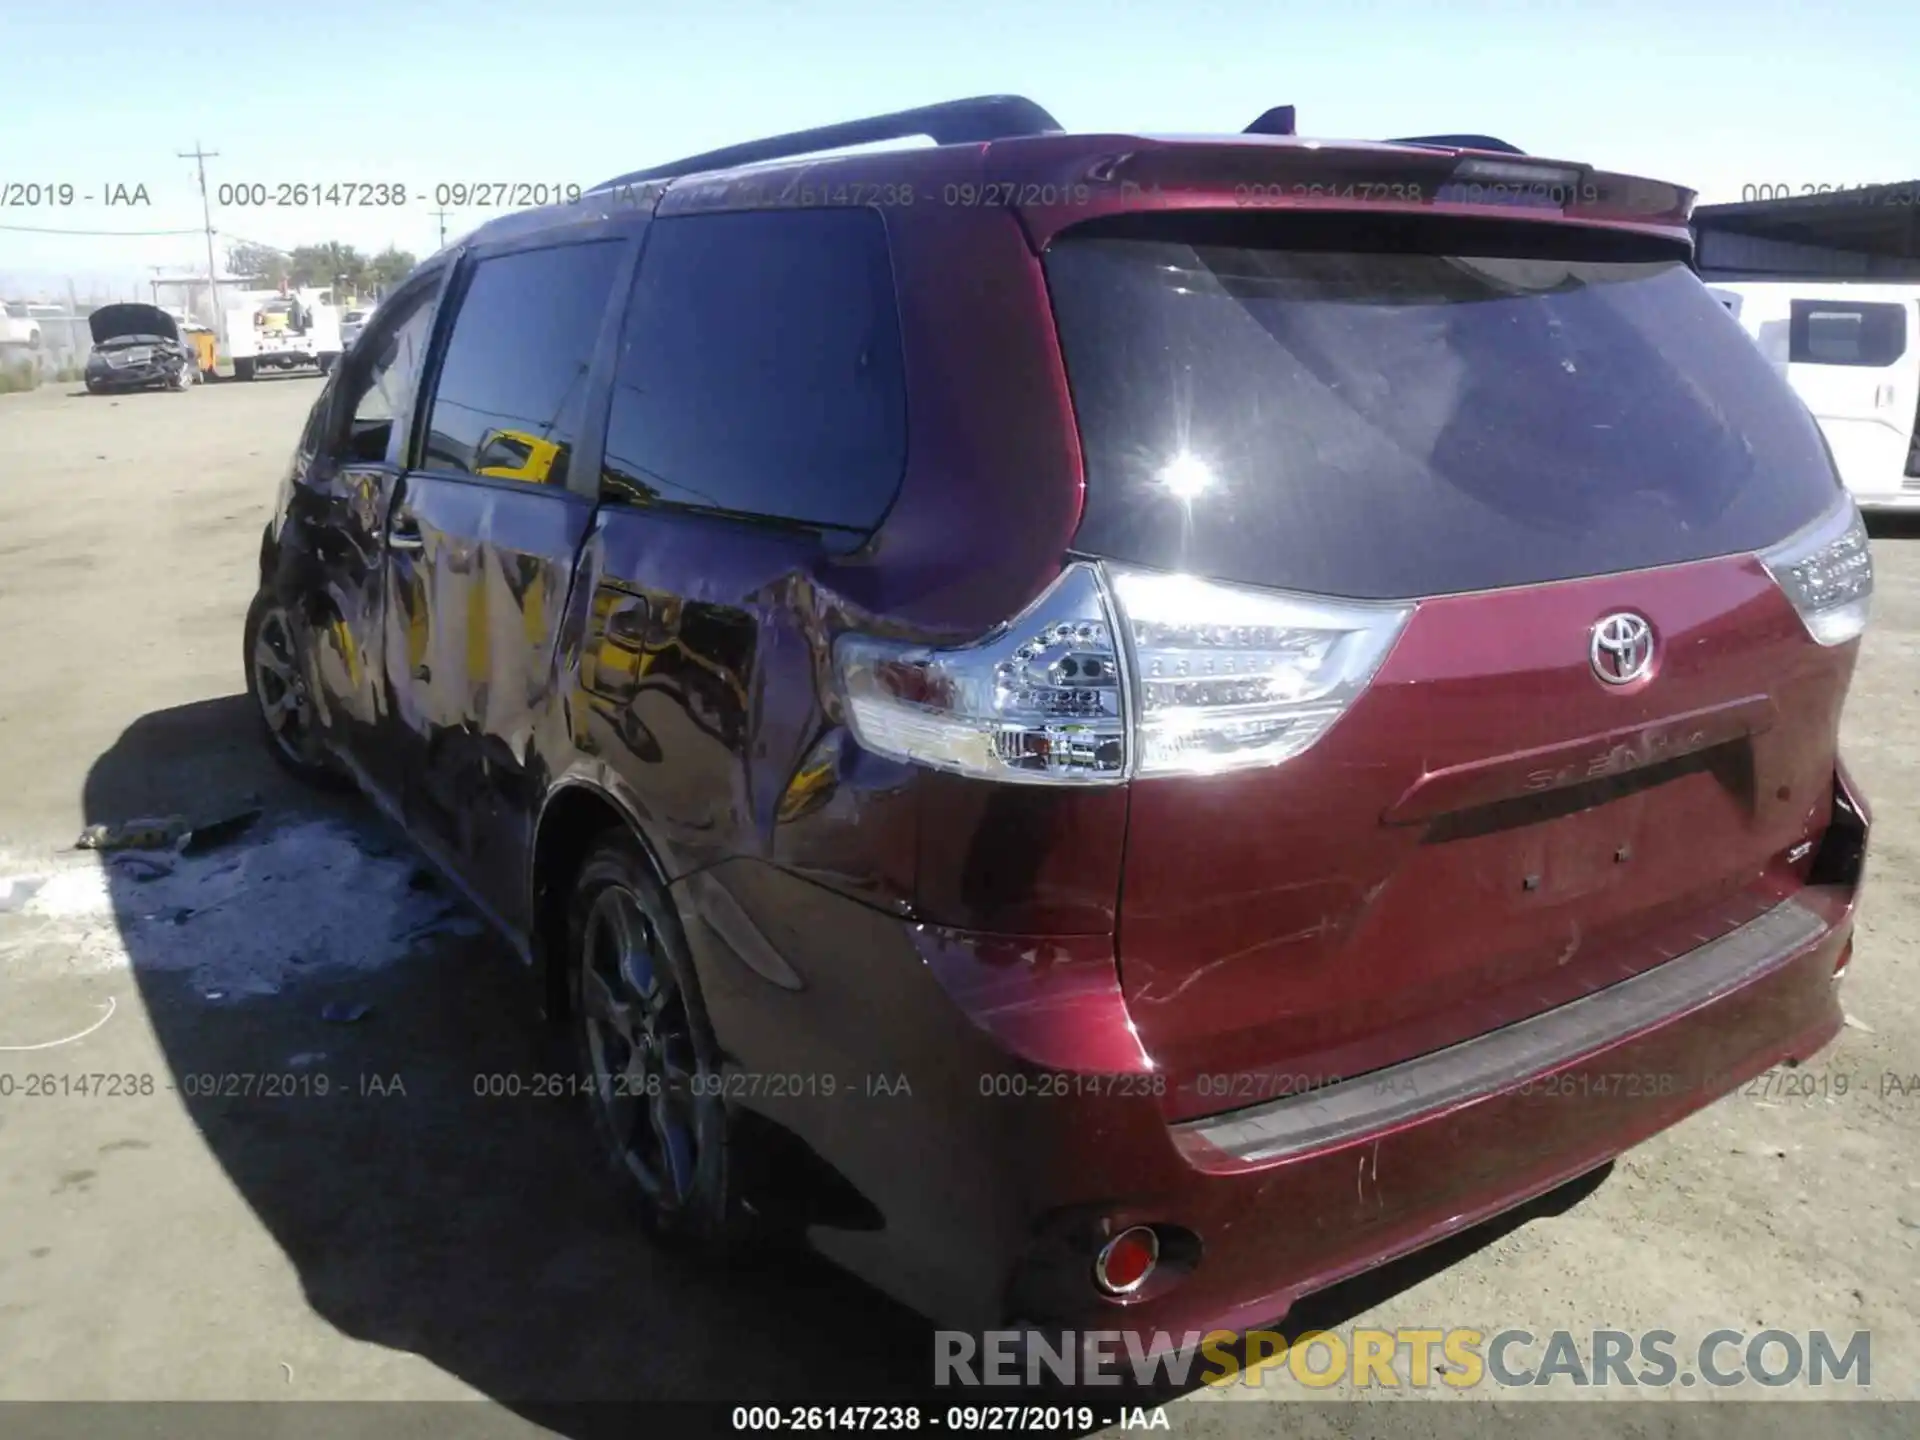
760,370
1400,411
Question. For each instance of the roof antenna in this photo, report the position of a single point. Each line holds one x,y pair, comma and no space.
1277,121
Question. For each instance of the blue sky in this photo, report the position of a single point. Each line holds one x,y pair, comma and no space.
1712,94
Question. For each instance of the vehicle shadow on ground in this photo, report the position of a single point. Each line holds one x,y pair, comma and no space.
473,1230
111,396
270,378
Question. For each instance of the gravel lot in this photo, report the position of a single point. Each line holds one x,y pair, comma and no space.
421,1243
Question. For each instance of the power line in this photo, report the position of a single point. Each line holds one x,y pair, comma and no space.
51,230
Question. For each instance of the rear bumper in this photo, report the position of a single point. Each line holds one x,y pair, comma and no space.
1889,502
1420,1089
1294,1197
132,377
986,1099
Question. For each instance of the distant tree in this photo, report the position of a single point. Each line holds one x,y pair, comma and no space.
389,268
328,264
261,264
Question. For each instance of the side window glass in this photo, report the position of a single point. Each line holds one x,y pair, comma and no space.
513,386
759,369
1841,332
383,371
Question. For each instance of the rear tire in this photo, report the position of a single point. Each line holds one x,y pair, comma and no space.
243,368
276,683
647,1057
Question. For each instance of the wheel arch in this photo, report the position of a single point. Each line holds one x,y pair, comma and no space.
576,812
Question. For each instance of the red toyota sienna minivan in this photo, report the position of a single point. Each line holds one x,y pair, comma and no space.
1113,729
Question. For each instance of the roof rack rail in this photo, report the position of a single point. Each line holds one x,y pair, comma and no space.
1461,142
1277,121
951,122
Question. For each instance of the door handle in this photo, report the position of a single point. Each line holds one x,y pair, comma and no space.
404,534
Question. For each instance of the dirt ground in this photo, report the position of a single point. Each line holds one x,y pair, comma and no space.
416,1241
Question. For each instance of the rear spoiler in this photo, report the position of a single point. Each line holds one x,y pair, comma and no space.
1461,142
1090,177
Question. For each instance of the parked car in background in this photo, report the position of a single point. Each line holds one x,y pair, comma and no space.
352,322
138,346
1110,754
1851,351
18,324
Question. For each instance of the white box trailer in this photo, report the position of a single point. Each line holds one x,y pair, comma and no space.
1851,351
271,331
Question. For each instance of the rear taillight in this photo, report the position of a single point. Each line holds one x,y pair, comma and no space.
1827,572
1039,700
1115,672
1226,677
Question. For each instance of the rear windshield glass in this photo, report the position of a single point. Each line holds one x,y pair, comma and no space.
1397,417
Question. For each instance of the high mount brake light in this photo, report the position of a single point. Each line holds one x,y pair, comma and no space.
1116,672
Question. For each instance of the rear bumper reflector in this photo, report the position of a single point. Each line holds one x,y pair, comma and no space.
1501,1059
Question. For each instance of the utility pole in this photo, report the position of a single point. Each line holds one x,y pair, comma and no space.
441,216
200,158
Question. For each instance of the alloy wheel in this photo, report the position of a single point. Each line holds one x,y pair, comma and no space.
285,703
640,1047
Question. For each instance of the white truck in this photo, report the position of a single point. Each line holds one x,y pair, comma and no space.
272,331
1851,350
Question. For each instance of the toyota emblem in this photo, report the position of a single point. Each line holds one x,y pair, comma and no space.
1621,649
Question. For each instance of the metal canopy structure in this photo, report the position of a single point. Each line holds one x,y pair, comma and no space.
1864,234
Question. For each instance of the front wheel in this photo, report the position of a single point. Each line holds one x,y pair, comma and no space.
183,378
277,684
647,1056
